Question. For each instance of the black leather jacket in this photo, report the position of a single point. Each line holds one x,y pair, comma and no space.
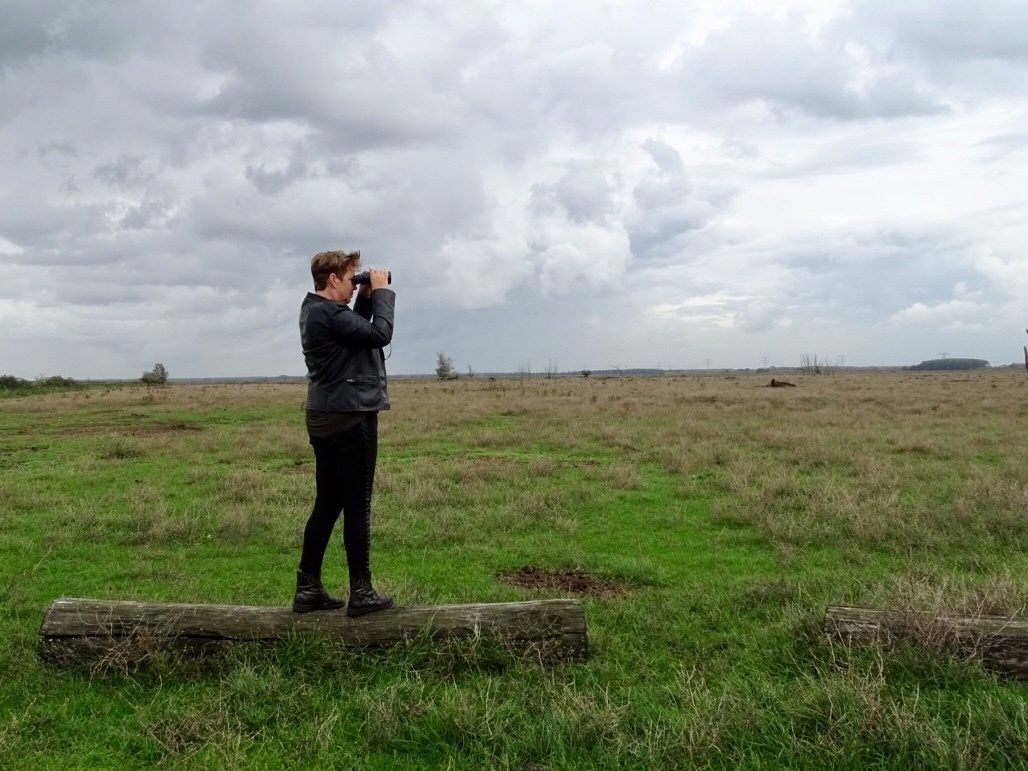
343,350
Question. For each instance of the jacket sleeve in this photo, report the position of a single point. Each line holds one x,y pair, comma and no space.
352,328
363,306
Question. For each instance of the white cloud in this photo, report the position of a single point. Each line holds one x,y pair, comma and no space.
939,314
705,311
765,180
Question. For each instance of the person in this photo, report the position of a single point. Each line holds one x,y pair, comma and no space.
346,389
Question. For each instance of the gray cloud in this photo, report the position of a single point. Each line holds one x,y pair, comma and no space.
126,171
783,66
582,193
668,210
950,31
275,181
728,179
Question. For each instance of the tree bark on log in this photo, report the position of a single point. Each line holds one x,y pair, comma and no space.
79,632
1001,643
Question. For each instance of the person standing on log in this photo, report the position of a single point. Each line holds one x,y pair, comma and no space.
346,389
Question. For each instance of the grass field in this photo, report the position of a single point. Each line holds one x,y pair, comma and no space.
730,513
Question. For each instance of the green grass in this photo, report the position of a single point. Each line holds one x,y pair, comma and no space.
732,515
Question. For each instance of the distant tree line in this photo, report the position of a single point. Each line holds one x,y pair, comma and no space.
12,386
950,364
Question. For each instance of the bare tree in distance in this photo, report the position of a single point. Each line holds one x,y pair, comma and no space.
812,364
525,370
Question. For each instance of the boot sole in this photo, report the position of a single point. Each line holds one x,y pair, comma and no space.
310,608
353,612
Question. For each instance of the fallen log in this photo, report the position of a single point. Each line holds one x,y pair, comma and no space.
1000,642
78,632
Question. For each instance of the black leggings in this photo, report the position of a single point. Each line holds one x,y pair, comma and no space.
345,473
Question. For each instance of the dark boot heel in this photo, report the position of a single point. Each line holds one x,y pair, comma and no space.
311,595
364,599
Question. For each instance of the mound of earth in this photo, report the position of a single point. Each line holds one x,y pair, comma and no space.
573,581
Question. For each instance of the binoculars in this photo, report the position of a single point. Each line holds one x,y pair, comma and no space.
364,277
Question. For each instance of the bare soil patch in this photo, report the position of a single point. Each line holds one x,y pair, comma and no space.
124,425
573,581
166,428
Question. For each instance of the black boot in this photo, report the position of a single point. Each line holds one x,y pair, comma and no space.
311,595
364,599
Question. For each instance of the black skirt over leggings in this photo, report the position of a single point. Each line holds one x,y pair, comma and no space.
345,473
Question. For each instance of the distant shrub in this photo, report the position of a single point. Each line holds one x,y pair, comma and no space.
157,376
950,364
56,381
12,383
444,367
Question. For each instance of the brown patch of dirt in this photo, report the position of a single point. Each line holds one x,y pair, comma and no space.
166,428
124,427
180,427
573,581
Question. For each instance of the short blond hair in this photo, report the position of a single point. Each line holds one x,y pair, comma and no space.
325,264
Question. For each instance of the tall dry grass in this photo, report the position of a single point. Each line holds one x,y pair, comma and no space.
894,462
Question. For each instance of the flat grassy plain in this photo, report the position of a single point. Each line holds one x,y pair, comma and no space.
730,513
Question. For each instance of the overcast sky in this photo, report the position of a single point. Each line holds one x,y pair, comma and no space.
567,185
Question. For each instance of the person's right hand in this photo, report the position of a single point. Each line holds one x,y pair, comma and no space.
379,278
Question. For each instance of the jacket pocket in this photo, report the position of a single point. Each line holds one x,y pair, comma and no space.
368,393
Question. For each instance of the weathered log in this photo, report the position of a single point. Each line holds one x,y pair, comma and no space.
1000,642
79,632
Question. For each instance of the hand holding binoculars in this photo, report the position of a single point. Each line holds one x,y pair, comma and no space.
364,277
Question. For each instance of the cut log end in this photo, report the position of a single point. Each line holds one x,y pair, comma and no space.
1000,643
82,632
